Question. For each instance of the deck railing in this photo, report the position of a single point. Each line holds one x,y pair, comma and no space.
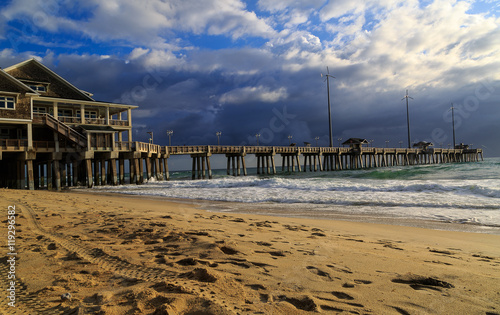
89,121
13,143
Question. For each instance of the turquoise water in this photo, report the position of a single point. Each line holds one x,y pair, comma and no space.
459,192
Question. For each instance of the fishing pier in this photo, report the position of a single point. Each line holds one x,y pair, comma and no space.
54,135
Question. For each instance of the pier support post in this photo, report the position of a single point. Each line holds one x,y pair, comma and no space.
121,170
57,171
31,179
148,168
49,174
103,172
273,164
88,163
114,177
158,169
62,166
132,172
203,171
209,168
244,165
167,174
137,171
141,171
21,177
74,172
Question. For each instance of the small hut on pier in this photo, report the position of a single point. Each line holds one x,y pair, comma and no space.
355,143
424,145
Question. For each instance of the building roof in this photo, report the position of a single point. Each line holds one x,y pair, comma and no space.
423,144
17,83
35,63
33,71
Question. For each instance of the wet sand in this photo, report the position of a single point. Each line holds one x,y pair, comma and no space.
120,254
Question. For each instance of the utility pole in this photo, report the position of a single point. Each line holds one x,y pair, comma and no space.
328,76
453,123
169,134
408,117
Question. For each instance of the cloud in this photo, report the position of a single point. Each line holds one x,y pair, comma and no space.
253,94
159,55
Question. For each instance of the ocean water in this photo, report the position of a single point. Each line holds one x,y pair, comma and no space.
467,193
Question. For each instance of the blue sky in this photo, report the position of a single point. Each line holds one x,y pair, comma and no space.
198,67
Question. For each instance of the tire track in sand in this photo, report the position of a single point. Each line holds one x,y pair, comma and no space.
30,304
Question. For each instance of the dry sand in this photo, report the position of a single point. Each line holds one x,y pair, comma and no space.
130,255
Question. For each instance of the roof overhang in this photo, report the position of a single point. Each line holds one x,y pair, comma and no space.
98,129
89,103
18,83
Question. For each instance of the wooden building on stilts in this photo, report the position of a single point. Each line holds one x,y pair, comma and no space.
53,134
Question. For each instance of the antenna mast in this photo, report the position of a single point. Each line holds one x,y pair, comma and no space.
328,76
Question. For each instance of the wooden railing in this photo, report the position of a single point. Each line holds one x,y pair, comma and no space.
18,144
116,122
61,128
91,121
43,145
123,145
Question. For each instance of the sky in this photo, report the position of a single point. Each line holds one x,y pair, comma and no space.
254,67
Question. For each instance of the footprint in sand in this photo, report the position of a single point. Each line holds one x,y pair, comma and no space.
341,269
342,295
319,272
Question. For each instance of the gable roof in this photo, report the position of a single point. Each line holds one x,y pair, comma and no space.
17,83
355,141
423,144
33,61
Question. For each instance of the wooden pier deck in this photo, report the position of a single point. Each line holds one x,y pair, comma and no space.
58,164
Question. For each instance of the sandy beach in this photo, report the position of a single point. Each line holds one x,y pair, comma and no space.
119,254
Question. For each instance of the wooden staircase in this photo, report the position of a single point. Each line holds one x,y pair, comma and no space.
61,128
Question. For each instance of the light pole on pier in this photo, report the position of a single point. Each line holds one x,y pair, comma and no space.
317,138
339,139
290,139
170,133
257,136
328,76
150,133
386,143
407,116
218,134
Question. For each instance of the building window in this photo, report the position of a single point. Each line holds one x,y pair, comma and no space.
39,110
7,102
61,112
38,88
4,132
88,114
